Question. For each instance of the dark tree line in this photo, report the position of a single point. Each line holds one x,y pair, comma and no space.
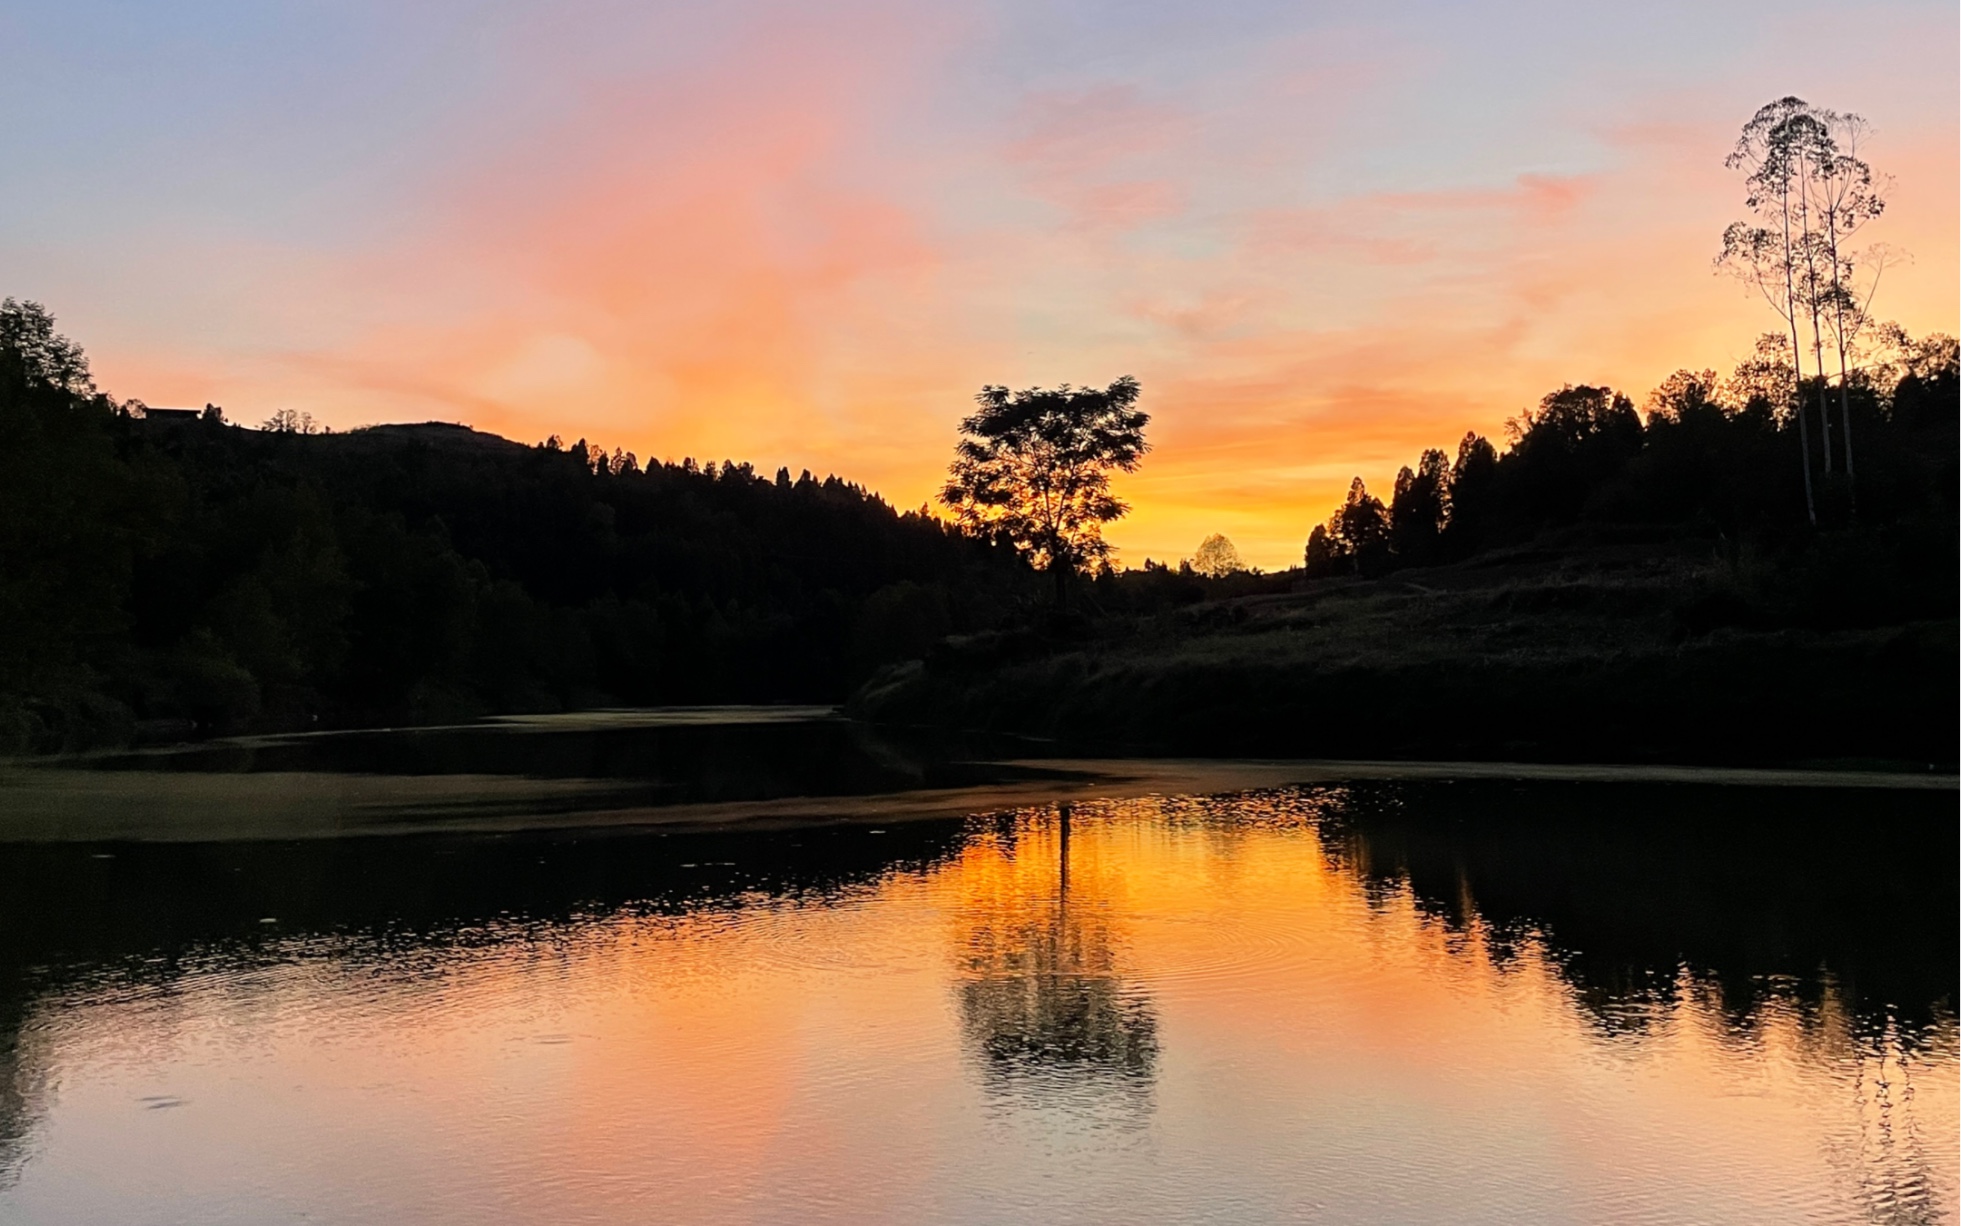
1712,457
182,570
171,568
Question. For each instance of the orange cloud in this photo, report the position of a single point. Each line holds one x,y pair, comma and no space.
802,249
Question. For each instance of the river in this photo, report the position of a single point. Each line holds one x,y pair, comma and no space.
1444,996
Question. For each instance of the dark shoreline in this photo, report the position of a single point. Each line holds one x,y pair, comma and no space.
1596,656
53,803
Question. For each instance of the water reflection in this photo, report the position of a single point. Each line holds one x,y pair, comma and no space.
23,1088
1043,1003
1780,890
1419,1004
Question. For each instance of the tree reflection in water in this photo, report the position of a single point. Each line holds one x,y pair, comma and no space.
23,1087
1584,1003
1044,1006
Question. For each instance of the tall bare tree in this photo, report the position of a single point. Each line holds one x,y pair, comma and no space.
1808,146
1812,190
1769,255
1848,197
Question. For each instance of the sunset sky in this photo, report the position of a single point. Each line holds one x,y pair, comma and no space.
1322,236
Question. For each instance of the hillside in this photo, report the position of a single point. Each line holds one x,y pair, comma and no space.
173,576
1695,581
1571,648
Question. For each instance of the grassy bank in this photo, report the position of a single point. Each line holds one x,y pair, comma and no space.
1579,651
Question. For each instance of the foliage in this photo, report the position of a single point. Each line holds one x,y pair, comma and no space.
1216,557
1711,457
1033,468
191,575
1323,556
1606,588
197,576
38,356
1420,509
1355,538
1811,192
293,421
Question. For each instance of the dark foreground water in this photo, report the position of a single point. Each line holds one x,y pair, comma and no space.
1380,1001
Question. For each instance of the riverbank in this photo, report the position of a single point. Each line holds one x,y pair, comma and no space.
51,803
1604,654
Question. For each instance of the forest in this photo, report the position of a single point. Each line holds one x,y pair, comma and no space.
1616,583
1707,458
167,574
1713,456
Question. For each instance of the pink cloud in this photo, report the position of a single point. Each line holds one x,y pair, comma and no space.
779,250
1082,150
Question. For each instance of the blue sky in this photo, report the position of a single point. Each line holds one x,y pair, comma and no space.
1323,235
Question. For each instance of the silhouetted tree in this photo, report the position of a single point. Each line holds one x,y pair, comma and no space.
1764,377
1924,396
292,421
1685,396
42,356
1473,494
1361,529
1848,197
1033,468
1767,256
1216,558
1324,556
1567,447
71,515
1700,456
1420,509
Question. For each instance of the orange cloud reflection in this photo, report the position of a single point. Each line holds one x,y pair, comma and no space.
1222,1003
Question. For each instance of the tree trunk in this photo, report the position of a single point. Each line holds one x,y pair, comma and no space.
1797,363
1804,434
1824,410
1838,330
1811,303
1845,422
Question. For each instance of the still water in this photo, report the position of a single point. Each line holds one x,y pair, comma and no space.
1375,1001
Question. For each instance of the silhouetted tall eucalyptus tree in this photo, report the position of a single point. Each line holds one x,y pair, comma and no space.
1848,198
1034,468
1805,177
1768,257
1808,146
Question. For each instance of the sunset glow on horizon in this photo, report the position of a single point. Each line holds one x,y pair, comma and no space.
1321,236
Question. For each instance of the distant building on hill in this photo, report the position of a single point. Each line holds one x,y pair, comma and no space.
209,412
